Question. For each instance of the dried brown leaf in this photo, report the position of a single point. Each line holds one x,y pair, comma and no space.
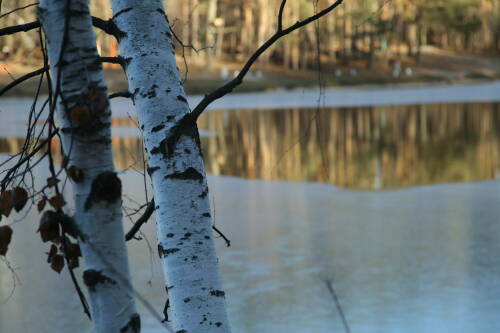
74,250
19,198
49,226
41,204
5,238
6,203
52,181
57,201
73,263
75,174
57,263
52,253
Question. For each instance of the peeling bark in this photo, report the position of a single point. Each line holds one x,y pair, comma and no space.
185,242
85,120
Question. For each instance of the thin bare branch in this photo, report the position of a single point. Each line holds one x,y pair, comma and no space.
280,15
226,240
22,79
228,87
143,219
147,214
124,94
18,9
18,28
329,286
114,60
108,27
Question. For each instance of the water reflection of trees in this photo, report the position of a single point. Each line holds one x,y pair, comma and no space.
378,147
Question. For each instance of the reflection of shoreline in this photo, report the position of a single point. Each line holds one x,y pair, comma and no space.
364,148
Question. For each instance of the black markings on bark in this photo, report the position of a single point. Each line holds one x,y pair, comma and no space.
182,98
181,331
165,308
217,293
157,128
156,150
105,187
188,174
170,235
206,215
203,194
165,252
151,170
186,236
136,91
133,325
150,93
92,278
218,324
187,300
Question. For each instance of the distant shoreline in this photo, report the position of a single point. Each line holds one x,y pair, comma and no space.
357,96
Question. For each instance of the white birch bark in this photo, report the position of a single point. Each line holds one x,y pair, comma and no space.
185,241
85,123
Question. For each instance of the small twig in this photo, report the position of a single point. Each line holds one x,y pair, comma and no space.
29,156
79,291
228,242
147,214
108,27
143,219
329,285
18,28
228,87
22,79
124,94
280,15
114,60
17,9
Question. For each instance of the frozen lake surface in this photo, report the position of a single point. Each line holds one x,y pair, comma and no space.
418,259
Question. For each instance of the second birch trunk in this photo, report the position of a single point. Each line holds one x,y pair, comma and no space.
85,124
185,241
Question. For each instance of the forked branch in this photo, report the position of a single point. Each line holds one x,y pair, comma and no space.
280,32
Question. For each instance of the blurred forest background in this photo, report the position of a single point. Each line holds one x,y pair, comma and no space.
363,41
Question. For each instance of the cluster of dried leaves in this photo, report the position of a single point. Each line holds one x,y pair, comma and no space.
55,227
16,199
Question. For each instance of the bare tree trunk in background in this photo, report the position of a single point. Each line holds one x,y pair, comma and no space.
85,117
175,165
295,37
194,24
263,26
331,37
210,32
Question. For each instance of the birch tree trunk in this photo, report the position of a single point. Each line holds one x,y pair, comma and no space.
185,241
85,124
